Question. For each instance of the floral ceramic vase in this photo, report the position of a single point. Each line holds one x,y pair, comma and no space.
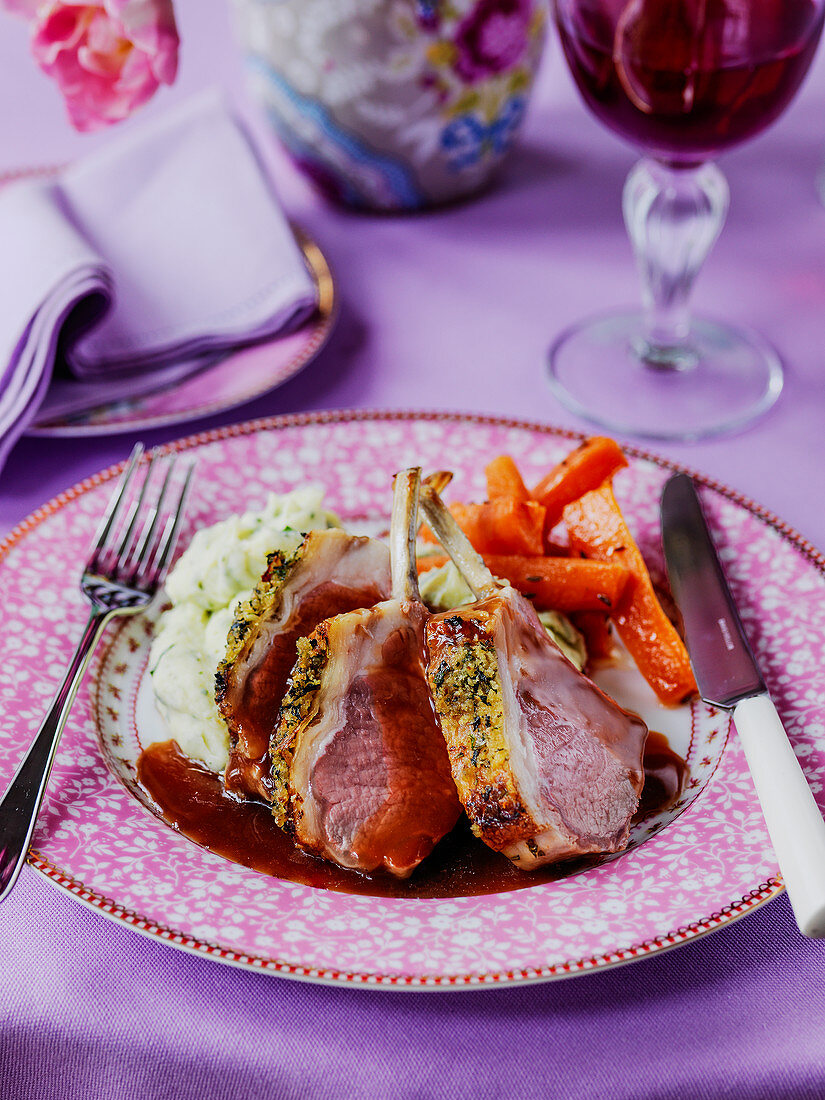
394,104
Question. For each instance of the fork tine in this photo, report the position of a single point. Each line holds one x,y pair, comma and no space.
128,539
113,507
139,547
154,566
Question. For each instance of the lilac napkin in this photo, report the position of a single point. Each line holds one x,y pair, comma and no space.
140,264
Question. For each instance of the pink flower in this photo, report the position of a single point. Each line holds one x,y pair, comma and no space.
492,38
107,57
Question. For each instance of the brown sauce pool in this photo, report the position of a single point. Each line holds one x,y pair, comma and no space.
194,802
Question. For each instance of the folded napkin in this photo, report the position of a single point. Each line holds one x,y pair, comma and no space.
140,264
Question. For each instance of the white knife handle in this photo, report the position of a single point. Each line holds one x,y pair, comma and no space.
795,824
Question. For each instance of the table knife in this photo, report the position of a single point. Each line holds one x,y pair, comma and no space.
728,677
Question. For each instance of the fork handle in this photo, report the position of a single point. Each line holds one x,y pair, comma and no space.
21,802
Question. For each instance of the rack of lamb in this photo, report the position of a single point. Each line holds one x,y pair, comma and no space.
359,764
546,765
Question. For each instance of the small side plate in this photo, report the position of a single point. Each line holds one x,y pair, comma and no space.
232,380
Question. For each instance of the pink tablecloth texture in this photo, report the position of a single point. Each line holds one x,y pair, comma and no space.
453,310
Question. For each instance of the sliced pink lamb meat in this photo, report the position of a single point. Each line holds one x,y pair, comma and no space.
360,768
546,765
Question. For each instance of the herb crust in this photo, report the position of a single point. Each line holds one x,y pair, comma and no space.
466,687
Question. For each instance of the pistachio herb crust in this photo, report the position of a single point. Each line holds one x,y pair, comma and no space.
299,707
466,689
263,604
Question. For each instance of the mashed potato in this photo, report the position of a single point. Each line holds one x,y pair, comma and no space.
219,568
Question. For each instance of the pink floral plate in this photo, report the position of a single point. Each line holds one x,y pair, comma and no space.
694,869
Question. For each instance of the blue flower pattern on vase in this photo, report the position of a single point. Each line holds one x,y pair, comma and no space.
349,171
427,13
468,138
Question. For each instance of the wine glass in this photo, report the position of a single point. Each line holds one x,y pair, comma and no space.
683,80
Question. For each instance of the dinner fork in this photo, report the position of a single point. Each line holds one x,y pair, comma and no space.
126,566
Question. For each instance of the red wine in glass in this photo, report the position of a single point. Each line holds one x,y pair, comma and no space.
682,80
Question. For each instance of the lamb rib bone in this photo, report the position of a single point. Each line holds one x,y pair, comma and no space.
464,555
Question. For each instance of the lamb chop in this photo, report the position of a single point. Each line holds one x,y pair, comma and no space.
546,765
360,768
331,572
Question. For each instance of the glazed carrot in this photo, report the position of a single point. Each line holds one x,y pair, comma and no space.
594,626
430,561
597,530
562,584
551,549
557,584
504,480
597,459
502,526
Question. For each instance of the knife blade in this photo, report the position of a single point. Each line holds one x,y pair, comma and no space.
728,676
722,661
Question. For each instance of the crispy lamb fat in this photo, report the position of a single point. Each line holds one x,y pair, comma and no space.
547,766
360,767
331,572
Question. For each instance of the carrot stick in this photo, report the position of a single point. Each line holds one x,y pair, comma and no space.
562,584
597,530
557,584
430,561
504,480
502,526
594,626
597,459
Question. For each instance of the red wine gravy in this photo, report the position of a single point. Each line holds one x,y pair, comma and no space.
193,800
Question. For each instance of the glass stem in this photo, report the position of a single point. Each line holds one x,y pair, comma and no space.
673,216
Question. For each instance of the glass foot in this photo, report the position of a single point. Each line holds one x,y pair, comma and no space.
725,378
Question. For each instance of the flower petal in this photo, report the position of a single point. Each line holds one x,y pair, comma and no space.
108,58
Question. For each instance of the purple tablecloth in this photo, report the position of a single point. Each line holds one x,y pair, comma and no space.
452,310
